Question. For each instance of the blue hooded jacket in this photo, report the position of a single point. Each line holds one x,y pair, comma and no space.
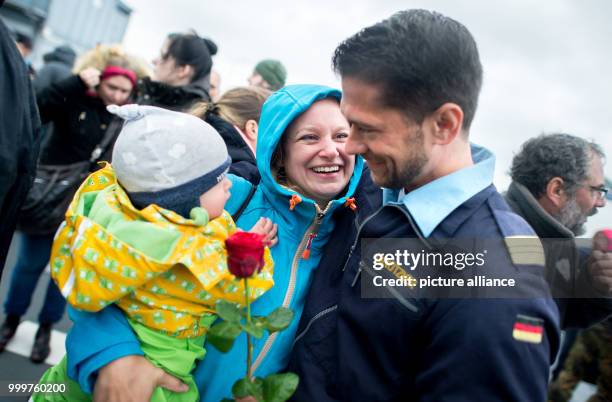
292,275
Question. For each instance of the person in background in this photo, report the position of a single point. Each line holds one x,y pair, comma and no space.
235,116
19,136
557,184
181,73
57,66
77,108
269,74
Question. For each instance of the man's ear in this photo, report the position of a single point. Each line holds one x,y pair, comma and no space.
555,192
447,122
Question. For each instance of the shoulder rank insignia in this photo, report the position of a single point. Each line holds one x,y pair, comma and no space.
525,250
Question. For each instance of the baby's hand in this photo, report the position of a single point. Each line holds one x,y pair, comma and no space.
265,227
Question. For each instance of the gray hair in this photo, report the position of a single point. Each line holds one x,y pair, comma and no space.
554,155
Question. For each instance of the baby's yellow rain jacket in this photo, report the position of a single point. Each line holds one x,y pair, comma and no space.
162,270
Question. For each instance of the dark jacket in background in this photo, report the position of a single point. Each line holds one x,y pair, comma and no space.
179,99
58,66
80,121
19,137
566,270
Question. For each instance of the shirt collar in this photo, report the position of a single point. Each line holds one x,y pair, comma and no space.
432,203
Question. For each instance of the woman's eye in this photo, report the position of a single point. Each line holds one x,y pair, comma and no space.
308,137
342,136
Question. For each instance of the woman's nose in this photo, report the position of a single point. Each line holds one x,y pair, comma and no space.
330,149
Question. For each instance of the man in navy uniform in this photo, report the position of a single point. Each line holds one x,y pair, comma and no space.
410,90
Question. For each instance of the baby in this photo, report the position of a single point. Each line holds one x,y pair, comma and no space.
148,234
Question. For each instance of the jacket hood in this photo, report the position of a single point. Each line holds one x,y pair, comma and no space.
282,108
202,84
61,54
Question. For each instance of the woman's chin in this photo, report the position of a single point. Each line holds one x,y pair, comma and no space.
328,191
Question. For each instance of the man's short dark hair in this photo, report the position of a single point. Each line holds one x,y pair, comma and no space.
420,59
554,155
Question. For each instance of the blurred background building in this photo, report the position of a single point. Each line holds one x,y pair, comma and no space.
80,24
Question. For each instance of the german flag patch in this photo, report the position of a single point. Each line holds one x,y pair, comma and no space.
528,329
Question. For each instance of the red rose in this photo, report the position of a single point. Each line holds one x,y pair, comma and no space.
245,253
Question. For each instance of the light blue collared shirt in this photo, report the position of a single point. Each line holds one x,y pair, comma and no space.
432,203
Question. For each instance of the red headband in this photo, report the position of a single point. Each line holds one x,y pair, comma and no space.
111,71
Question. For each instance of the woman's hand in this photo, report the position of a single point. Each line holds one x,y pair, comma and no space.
132,379
90,77
265,227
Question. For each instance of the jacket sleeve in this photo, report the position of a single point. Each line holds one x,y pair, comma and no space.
475,350
93,268
96,340
57,98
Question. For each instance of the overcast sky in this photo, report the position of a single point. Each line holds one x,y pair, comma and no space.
547,64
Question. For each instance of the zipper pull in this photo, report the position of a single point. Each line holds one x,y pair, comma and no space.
319,218
306,253
350,202
295,199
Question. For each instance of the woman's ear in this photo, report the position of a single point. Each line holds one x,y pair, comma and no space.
185,72
250,130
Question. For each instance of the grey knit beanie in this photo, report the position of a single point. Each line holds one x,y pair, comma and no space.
167,158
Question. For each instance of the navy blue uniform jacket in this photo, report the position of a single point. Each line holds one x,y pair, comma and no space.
400,349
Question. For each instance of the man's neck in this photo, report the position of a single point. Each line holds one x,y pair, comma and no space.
449,159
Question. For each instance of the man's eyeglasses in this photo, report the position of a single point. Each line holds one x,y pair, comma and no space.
600,190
